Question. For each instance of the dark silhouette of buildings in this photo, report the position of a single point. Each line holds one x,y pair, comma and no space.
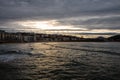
35,37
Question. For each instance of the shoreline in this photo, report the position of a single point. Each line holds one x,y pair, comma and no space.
58,42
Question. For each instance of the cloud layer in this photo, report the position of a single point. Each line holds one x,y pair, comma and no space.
83,14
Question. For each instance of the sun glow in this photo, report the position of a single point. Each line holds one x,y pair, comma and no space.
44,25
53,26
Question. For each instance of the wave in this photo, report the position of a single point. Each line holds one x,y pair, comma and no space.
3,52
10,55
89,50
6,56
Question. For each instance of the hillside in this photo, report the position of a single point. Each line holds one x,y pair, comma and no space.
114,38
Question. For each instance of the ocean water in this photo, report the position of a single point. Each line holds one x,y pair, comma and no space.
60,61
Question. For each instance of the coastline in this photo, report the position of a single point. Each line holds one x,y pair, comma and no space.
57,41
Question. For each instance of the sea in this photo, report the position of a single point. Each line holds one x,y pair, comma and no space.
60,61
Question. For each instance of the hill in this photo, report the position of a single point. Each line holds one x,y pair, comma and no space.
114,38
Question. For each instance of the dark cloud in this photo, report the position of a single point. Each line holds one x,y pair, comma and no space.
97,33
62,11
12,9
109,22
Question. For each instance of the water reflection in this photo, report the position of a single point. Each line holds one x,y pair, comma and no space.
61,61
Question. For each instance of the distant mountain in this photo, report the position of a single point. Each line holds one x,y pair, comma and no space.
114,38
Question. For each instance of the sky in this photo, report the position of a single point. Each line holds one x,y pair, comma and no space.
68,16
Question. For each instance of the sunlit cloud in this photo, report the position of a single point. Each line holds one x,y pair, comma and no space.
47,25
43,25
61,16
